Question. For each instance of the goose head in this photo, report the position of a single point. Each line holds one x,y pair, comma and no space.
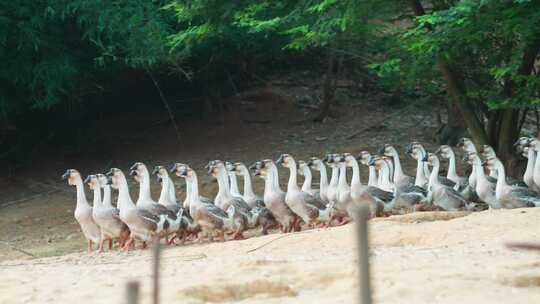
535,144
387,150
302,167
445,151
488,151
286,160
72,176
182,170
315,163
240,169
348,159
431,159
364,157
92,181
215,167
466,144
160,172
229,166
138,170
522,142
470,158
115,177
260,168
376,161
492,163
332,160
416,150
103,180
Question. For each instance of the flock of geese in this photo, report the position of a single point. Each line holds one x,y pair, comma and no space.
388,191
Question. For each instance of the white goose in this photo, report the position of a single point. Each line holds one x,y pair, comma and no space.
83,211
316,164
441,195
305,171
485,189
400,179
306,206
143,225
274,197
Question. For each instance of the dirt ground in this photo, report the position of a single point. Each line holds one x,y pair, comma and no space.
416,258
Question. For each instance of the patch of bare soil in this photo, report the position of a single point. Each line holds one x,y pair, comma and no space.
460,260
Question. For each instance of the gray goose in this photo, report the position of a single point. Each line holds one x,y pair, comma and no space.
441,195
510,196
106,217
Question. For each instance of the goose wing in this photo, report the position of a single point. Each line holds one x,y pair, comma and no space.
411,188
453,198
149,220
379,193
313,201
446,181
212,216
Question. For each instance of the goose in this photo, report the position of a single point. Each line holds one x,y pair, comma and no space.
468,146
83,211
535,145
274,197
440,195
331,192
413,198
510,196
376,192
106,217
343,204
306,206
461,183
528,176
304,170
140,172
373,179
256,203
224,199
361,194
233,182
400,179
316,164
485,189
249,196
143,225
489,152
417,151
167,197
210,217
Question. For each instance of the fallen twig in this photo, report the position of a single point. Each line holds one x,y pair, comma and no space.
18,249
523,245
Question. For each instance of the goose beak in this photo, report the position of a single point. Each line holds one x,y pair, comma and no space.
425,158
210,169
252,167
310,163
172,168
382,150
465,158
279,161
87,179
438,151
65,175
110,173
133,167
156,170
371,161
133,172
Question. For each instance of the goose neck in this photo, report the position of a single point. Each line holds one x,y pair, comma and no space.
434,176
223,183
81,195
306,186
107,196
248,187
124,198
233,184
144,188
97,197
323,184
334,177
165,192
355,180
292,185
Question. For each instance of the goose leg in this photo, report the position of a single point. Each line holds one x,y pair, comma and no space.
110,244
128,244
89,247
100,247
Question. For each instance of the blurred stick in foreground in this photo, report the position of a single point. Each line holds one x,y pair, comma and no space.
132,290
156,256
523,245
362,243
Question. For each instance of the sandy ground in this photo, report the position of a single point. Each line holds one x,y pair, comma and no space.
416,258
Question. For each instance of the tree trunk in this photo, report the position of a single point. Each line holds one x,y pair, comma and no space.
329,88
456,90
